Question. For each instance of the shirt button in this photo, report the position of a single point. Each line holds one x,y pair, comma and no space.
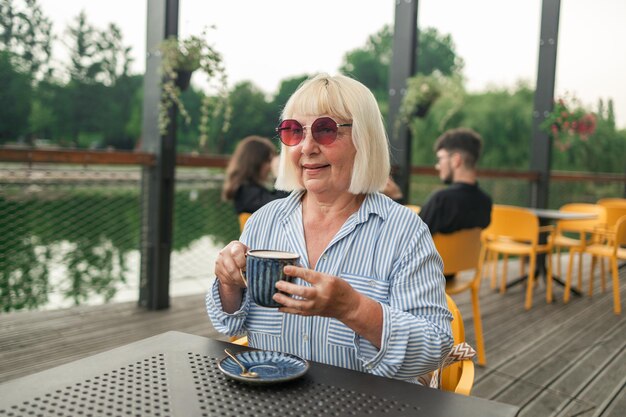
305,337
324,257
372,283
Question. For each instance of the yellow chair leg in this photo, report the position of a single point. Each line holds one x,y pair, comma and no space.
617,304
593,267
478,328
505,273
494,262
580,269
549,280
531,282
568,279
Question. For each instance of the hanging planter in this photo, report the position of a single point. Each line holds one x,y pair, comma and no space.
569,122
180,58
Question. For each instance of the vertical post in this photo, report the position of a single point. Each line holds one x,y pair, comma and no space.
157,181
541,146
402,67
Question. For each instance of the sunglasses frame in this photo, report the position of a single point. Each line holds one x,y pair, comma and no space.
280,129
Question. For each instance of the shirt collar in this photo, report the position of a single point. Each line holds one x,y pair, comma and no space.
374,203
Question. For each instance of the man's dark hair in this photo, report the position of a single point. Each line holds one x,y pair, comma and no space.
465,141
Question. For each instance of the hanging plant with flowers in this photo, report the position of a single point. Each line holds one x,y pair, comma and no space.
568,122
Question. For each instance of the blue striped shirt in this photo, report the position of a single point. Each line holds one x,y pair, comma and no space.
384,251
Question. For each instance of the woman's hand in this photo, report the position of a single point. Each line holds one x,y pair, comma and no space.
230,261
330,296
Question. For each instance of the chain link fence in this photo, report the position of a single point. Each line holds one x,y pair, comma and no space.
70,235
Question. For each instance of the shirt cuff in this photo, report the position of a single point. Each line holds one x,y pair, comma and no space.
214,304
369,354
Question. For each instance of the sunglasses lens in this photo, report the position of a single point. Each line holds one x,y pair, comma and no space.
290,132
324,130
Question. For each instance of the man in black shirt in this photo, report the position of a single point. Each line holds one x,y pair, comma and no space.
462,205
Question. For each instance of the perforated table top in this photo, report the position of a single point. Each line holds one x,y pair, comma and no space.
176,374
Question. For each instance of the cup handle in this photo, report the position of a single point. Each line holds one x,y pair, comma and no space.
243,276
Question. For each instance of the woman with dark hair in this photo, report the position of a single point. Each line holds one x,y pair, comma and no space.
248,172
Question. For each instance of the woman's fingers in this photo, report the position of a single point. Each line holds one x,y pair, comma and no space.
230,261
308,275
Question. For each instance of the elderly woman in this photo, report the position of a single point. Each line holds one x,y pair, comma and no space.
369,293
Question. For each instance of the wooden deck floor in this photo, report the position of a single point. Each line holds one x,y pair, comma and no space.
554,360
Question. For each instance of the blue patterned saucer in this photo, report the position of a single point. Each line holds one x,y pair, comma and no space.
271,367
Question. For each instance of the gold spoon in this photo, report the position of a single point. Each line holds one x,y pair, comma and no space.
244,371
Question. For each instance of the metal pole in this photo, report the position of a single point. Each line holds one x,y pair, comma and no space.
541,145
157,181
402,67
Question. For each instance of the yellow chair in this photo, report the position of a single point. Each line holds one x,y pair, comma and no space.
582,228
461,251
614,209
415,208
515,231
615,200
459,376
242,341
243,218
612,247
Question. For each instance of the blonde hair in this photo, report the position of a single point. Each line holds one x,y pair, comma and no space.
346,99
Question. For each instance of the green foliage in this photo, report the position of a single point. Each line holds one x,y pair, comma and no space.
370,63
503,118
27,34
179,58
15,96
90,231
252,117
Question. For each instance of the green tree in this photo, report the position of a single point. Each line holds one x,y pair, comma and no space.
15,94
27,34
286,88
370,64
100,88
252,116
502,117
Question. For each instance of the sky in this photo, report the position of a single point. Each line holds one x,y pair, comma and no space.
497,39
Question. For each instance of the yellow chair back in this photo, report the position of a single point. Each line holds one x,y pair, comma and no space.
460,250
581,225
615,200
243,218
416,209
459,376
613,211
463,251
514,223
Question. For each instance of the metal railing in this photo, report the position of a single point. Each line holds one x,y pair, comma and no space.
70,221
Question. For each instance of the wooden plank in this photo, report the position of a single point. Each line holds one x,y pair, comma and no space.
518,343
34,341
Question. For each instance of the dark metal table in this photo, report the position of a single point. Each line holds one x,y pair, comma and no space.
176,374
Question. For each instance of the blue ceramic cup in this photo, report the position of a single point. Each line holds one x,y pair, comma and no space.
264,268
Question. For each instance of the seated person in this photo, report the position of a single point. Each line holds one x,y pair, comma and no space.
247,173
462,205
369,292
